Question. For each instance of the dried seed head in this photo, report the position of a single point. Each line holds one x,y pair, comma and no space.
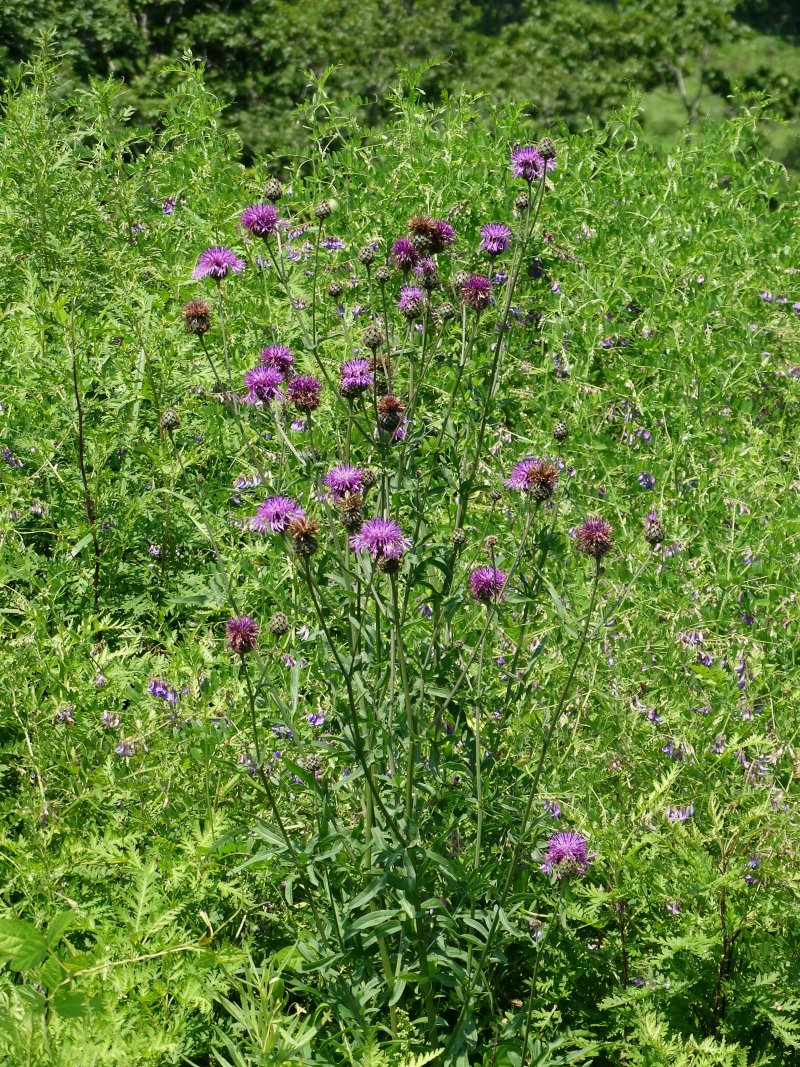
351,511
273,190
391,410
370,479
335,289
444,312
561,431
367,255
383,274
303,532
242,633
324,209
170,420
458,537
390,564
491,542
197,317
496,495
547,149
521,201
279,625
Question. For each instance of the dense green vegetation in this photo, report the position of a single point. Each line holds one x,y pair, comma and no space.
571,60
330,849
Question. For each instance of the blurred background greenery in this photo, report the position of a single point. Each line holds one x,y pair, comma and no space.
691,61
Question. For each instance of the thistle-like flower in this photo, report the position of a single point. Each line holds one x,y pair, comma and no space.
355,378
303,532
261,220
391,410
343,480
654,532
594,537
495,238
527,163
303,391
197,317
476,292
263,384
275,514
487,584
242,633
411,301
382,538
535,476
278,356
405,253
216,263
567,855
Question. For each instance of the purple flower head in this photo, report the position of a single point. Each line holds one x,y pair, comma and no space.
594,537
315,719
405,253
263,384
646,480
535,476
680,814
495,238
261,220
675,906
333,244
566,855
552,809
242,634
528,164
344,479
216,262
382,538
426,271
487,584
275,514
411,301
303,391
445,233
476,292
278,356
355,377
168,206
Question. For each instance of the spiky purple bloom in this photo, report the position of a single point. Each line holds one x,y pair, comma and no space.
567,855
594,537
528,164
487,584
242,634
261,220
216,262
355,377
278,356
535,476
476,292
445,233
303,391
405,253
263,384
495,238
275,514
344,479
411,301
382,538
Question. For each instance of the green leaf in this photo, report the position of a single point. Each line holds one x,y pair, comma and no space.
22,944
71,1004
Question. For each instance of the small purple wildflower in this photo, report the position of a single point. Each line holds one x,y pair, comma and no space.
263,384
646,480
216,262
344,479
261,220
680,814
332,244
159,689
566,855
552,809
278,356
495,238
410,302
315,719
675,906
13,461
275,514
168,206
382,538
487,584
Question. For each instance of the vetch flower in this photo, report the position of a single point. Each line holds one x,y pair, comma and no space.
495,238
567,855
344,479
216,262
646,480
382,538
535,476
261,220
487,584
242,634
275,514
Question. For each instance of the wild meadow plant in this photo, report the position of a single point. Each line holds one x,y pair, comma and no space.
403,635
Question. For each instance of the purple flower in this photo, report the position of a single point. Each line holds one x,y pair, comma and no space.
528,164
275,514
411,301
680,814
487,584
676,906
405,253
719,744
333,244
355,377
796,306
767,296
278,356
344,479
315,719
747,618
303,391
566,855
261,220
168,206
646,480
382,538
476,292
552,809
495,238
216,262
158,688
535,476
594,537
263,384
242,634
13,461
445,234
